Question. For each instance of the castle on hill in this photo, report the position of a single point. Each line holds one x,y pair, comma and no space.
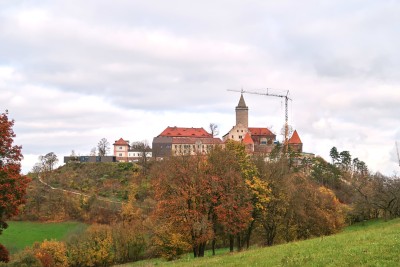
258,140
175,141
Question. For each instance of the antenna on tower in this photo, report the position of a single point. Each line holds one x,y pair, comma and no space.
397,150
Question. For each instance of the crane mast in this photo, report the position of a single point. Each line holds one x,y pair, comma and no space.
286,97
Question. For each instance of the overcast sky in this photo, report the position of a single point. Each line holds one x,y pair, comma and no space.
73,72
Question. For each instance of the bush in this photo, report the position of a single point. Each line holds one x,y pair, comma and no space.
51,253
4,255
93,248
25,258
129,244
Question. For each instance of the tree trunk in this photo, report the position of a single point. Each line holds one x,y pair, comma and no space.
202,247
248,234
231,242
239,242
213,246
195,251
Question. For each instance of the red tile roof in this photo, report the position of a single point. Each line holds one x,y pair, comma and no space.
185,132
295,139
247,139
121,142
260,131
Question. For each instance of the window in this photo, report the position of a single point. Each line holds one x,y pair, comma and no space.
120,147
232,136
120,154
237,130
240,137
242,131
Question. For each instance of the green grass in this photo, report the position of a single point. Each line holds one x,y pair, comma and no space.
21,234
374,243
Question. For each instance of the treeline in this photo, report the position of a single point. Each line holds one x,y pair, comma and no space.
228,196
225,199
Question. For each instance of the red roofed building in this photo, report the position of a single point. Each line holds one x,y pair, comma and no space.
295,143
121,148
249,143
185,132
183,141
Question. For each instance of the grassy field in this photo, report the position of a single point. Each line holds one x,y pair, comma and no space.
19,235
374,243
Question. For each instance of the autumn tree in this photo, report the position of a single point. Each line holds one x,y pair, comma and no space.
51,253
181,214
258,190
92,248
12,184
231,206
103,147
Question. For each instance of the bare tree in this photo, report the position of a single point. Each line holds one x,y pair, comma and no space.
93,151
214,129
48,161
103,147
144,150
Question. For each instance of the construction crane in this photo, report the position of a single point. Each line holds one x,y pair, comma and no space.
397,149
285,96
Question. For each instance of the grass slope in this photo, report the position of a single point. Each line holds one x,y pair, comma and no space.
374,243
19,235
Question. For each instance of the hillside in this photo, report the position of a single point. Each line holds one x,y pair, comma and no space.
103,179
374,243
89,192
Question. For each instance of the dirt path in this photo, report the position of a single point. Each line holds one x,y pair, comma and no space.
78,193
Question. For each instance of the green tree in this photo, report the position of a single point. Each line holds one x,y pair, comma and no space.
334,155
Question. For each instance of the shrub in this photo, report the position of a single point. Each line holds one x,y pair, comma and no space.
25,258
4,255
51,253
129,244
93,248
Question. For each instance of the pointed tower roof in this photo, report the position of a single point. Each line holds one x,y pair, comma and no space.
295,139
121,142
241,104
247,139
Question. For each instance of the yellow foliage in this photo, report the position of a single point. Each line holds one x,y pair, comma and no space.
52,253
170,244
261,193
94,248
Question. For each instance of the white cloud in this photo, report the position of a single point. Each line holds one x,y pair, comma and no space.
72,72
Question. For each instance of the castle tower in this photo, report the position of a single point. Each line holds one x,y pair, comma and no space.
242,113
